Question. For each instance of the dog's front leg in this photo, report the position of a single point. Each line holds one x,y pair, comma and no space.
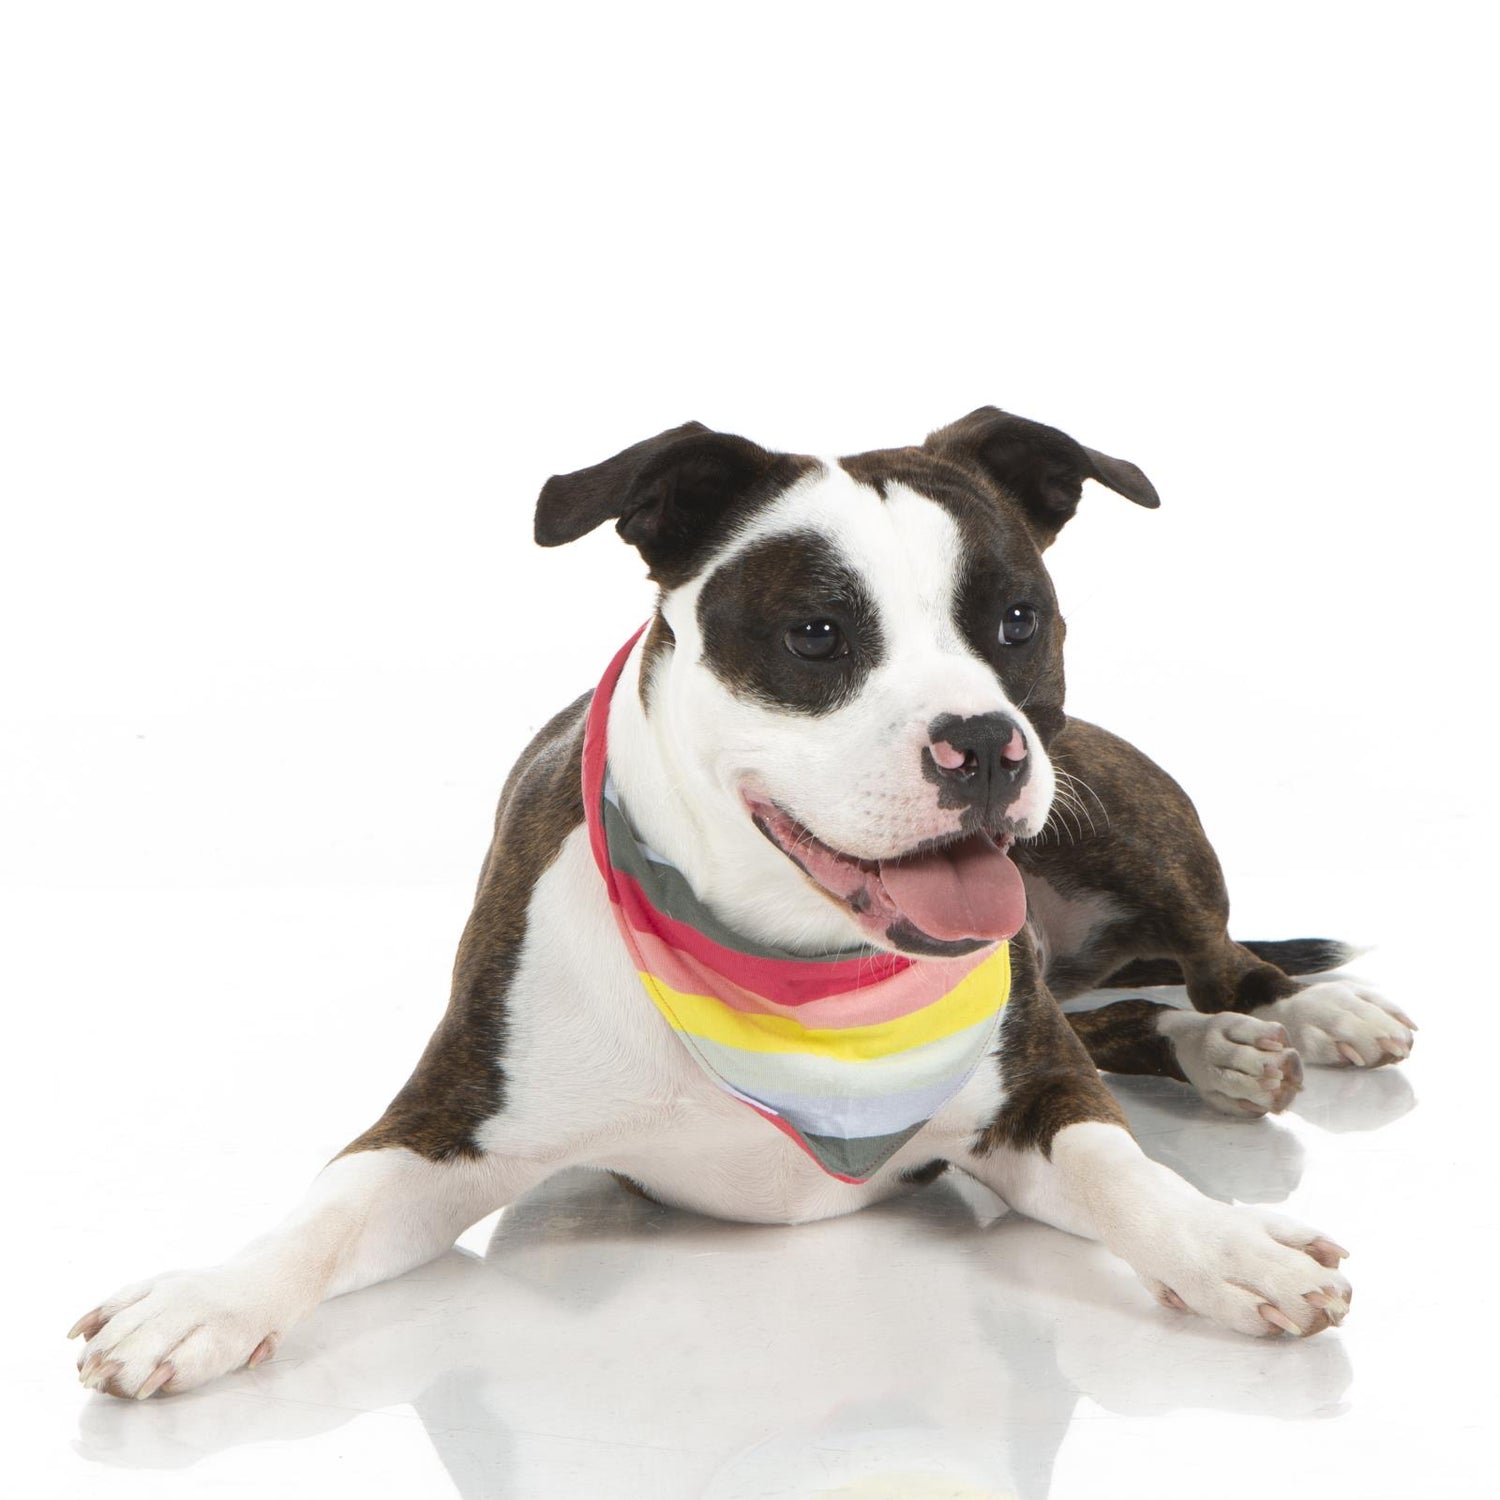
368,1216
1059,1150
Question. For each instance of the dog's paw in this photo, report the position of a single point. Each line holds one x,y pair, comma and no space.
1257,1272
1335,1024
176,1331
1238,1064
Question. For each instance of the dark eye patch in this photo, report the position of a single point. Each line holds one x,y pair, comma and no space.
1001,568
780,586
999,584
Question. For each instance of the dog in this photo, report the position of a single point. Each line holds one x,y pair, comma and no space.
775,921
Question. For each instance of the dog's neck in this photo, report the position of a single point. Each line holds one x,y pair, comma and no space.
682,809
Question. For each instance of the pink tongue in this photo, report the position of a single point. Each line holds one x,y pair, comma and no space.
968,890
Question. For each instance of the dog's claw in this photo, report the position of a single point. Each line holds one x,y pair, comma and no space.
156,1380
1349,1055
262,1351
89,1324
1278,1319
1331,1304
1326,1252
1274,1041
97,1372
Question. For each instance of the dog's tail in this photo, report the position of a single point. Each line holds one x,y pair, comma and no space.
1291,956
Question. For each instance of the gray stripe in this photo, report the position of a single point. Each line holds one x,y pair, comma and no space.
858,1158
670,893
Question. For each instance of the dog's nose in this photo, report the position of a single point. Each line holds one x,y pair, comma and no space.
983,759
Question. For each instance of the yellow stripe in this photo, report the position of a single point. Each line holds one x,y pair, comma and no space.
976,997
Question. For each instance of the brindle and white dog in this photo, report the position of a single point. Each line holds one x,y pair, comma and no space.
845,724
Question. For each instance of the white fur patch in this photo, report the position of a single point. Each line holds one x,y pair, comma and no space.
1229,1264
367,1217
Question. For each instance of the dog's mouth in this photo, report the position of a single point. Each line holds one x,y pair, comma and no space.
944,898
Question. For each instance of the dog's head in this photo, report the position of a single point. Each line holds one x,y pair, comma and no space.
862,658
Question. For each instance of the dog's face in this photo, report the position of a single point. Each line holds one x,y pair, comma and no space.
867,652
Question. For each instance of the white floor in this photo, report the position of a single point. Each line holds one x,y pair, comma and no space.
587,1343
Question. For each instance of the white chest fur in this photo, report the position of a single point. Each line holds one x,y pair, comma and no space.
596,1078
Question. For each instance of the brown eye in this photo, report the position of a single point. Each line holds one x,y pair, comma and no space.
817,640
1018,624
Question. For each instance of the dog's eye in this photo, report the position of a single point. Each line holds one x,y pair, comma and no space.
817,640
1018,624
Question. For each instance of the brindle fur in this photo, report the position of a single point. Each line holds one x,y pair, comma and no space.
1138,841
1122,1038
459,1082
1050,1080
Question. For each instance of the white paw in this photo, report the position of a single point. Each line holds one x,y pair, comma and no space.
1336,1024
1239,1064
1248,1269
178,1330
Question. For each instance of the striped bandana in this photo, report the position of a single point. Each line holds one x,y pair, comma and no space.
848,1053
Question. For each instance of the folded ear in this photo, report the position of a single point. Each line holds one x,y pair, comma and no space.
1041,468
668,496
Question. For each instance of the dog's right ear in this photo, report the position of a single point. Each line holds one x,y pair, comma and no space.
666,495
1039,467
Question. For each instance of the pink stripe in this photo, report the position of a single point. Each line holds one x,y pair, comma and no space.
595,756
920,986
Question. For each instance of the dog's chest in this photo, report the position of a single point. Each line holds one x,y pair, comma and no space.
598,1078
718,1157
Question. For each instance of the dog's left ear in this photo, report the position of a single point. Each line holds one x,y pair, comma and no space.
667,495
1039,466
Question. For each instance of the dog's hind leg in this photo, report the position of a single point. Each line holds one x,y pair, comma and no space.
1126,890
1239,1064
1133,893
369,1215
1241,1000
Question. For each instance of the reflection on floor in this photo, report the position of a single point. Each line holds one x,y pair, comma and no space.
934,1346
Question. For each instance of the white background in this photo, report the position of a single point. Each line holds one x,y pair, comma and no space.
302,303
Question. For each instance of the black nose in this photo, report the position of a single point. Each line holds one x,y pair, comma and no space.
980,762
